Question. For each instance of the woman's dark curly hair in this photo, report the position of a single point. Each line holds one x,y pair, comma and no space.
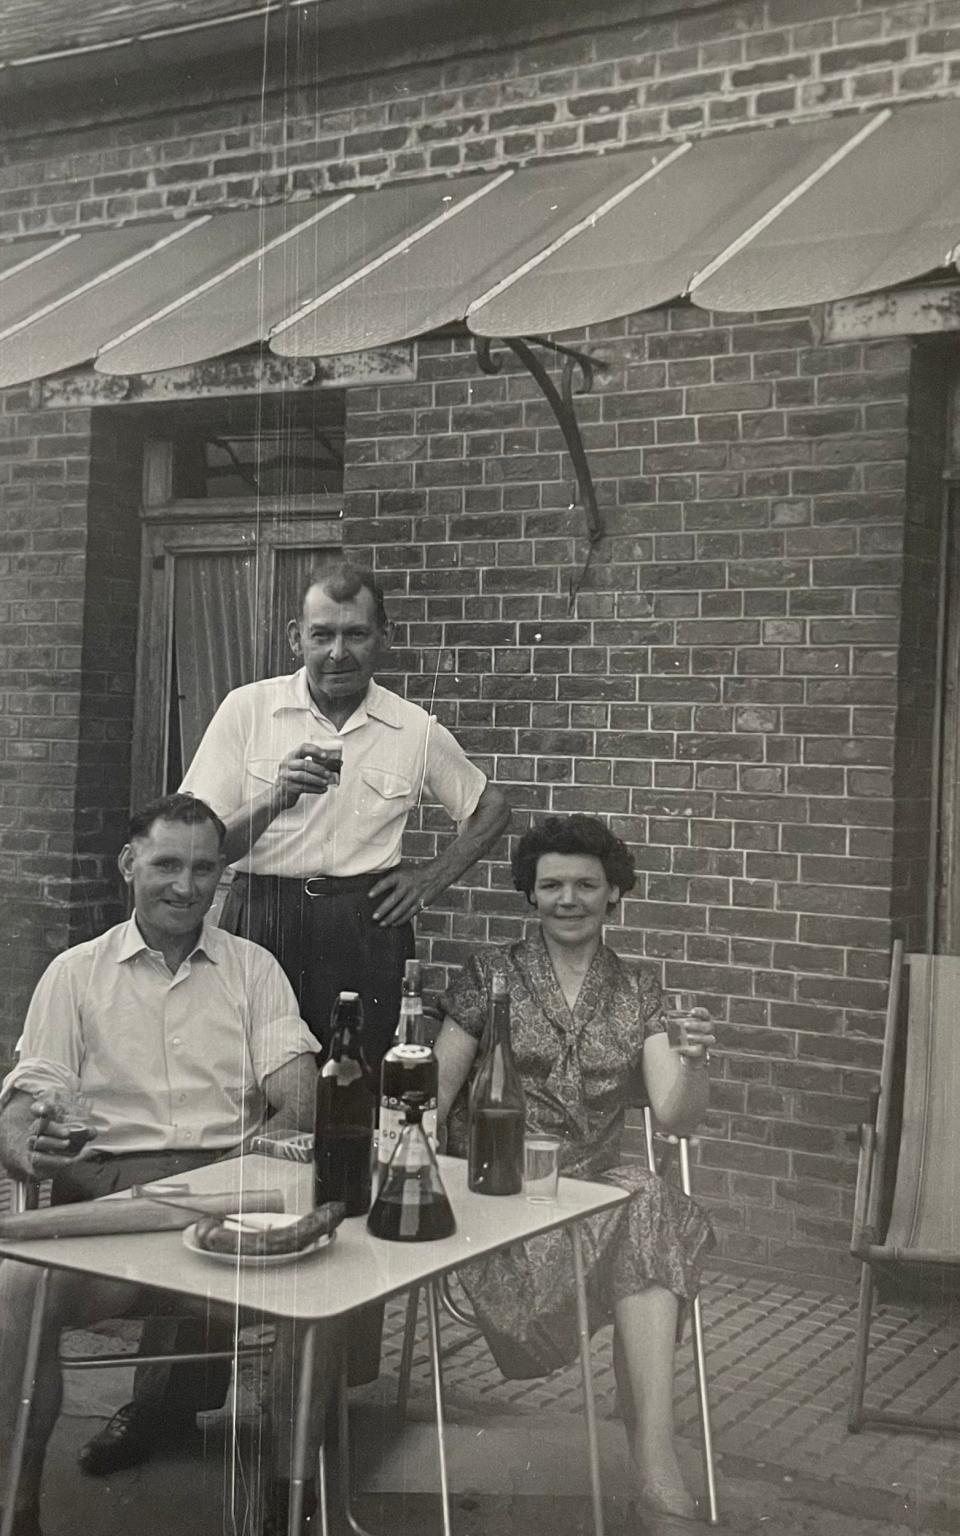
572,834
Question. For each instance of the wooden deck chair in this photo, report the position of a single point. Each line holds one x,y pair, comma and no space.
906,1223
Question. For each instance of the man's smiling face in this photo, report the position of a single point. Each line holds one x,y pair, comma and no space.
173,869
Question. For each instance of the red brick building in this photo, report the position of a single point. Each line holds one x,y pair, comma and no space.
756,679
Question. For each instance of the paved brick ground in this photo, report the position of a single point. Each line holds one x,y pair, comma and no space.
779,1362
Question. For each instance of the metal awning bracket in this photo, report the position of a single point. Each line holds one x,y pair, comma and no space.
561,402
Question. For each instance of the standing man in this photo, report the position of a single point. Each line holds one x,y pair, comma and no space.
320,881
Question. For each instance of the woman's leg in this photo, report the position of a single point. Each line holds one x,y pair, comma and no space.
643,1348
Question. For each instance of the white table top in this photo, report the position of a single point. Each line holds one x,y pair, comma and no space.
348,1273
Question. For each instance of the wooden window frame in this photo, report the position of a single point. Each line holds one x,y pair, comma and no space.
173,529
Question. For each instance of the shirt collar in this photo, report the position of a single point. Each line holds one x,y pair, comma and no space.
132,941
378,704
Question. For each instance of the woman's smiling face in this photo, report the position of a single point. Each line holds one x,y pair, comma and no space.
572,896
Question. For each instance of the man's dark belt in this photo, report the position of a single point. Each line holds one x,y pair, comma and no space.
326,885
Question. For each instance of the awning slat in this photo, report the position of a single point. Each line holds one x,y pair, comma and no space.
253,300
417,290
649,247
744,221
888,212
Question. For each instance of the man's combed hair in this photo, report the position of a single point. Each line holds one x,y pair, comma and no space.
343,580
572,834
183,808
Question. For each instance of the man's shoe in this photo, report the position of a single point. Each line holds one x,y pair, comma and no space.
26,1522
274,1519
124,1441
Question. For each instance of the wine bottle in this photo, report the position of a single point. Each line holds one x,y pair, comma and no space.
497,1107
408,1067
345,1113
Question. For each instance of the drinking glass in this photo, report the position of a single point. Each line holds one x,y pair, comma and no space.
541,1167
677,1008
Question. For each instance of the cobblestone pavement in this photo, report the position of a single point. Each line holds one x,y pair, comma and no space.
778,1357
779,1363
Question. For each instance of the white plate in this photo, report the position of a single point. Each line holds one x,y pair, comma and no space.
266,1221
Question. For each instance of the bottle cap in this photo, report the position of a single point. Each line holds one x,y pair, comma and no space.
498,985
349,997
412,976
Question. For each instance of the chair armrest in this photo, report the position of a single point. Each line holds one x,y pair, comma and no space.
26,1195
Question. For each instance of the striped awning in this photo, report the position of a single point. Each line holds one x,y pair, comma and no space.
761,220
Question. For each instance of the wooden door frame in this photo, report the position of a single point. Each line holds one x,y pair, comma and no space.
943,910
171,529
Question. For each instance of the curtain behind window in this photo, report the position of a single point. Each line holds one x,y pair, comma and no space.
214,639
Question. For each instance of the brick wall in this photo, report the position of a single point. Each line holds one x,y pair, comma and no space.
604,87
724,690
726,686
44,477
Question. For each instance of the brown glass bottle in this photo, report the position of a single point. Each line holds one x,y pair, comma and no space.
497,1107
345,1113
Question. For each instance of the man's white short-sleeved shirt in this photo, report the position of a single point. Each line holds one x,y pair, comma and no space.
165,1061
394,755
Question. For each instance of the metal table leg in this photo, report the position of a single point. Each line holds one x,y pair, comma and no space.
322,1490
434,1322
29,1381
344,1423
700,1365
586,1371
301,1429
344,1437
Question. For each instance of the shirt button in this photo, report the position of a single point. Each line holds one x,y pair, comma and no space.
188,1135
182,1099
175,1040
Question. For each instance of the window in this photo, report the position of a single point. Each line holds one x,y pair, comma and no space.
235,514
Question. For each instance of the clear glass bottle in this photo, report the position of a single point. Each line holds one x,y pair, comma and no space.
497,1106
411,1204
408,1067
345,1113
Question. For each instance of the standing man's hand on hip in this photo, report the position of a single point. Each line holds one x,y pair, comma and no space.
399,896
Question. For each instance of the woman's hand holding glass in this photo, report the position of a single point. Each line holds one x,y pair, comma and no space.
690,1029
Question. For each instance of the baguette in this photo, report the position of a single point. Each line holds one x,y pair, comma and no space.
100,1218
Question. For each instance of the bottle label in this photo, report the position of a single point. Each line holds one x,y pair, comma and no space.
393,1117
346,1070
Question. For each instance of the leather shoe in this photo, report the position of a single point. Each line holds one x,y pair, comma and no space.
275,1517
124,1441
26,1522
651,1521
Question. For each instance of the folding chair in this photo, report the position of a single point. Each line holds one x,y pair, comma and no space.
906,1222
668,1145
26,1196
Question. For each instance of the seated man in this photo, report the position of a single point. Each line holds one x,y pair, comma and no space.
180,1039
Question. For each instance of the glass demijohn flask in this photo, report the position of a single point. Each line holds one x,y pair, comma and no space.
411,1204
497,1106
345,1113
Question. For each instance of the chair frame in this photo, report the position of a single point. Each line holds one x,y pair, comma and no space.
669,1144
876,1158
26,1197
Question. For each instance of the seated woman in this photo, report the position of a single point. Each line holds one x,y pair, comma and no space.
582,1023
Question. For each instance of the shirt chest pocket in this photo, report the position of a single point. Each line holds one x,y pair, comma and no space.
382,797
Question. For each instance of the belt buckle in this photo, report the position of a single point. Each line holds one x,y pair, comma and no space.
315,879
